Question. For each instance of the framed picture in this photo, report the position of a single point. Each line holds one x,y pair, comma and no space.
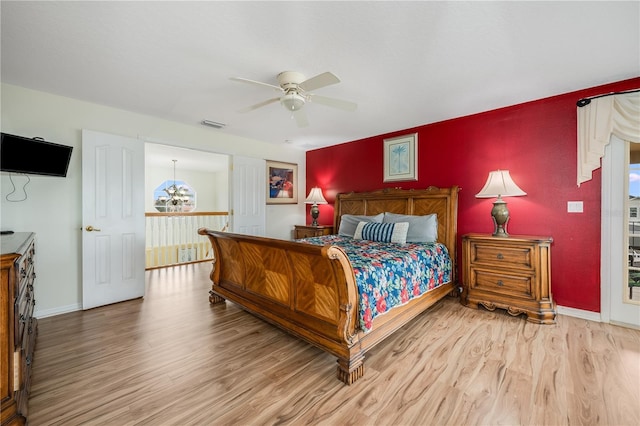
401,158
282,183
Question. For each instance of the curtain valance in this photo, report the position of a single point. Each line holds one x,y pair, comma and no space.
597,121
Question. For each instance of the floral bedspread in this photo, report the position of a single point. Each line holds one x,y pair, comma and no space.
390,274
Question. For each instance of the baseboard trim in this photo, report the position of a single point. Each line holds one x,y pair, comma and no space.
579,313
57,311
625,324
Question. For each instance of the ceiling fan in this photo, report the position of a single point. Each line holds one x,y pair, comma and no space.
296,92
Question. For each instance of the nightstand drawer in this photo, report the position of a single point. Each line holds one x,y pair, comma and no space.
514,285
307,233
503,256
304,231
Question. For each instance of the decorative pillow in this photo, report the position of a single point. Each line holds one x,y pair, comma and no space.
349,222
422,229
382,232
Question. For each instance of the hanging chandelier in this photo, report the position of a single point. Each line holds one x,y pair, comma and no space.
178,198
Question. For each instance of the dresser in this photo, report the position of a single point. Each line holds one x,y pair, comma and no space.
18,326
307,231
511,273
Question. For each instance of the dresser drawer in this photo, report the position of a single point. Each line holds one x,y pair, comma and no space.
23,311
26,274
502,256
513,285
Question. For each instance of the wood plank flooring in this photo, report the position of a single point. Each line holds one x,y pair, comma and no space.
173,359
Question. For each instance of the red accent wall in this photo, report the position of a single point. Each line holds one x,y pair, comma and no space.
535,141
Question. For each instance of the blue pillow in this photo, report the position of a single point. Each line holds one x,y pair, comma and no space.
382,232
422,229
349,222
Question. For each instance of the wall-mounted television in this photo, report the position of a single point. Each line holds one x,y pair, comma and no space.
35,156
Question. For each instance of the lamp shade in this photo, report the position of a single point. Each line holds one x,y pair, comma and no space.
315,197
500,184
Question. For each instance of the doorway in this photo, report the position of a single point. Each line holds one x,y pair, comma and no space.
171,234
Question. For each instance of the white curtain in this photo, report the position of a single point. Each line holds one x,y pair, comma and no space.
616,114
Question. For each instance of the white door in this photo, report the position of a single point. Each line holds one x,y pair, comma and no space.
248,196
113,236
615,306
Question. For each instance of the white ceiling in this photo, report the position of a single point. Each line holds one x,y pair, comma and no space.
405,63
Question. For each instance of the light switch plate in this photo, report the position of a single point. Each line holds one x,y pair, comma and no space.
575,207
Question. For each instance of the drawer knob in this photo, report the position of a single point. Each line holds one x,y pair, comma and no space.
500,256
500,283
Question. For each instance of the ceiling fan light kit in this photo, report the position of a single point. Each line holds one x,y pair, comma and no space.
295,89
292,101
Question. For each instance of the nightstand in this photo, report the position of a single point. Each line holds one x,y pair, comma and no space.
511,273
306,231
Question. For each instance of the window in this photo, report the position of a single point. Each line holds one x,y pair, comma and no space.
633,222
173,196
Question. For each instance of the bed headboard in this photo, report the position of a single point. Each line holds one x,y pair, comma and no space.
442,201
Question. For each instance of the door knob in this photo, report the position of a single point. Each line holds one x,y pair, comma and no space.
91,228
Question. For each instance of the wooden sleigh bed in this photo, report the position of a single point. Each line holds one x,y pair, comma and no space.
310,290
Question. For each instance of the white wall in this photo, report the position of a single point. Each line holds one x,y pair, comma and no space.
221,202
53,209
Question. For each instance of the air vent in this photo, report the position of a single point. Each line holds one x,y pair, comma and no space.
214,124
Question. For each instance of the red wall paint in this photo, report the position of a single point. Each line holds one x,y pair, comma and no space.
535,141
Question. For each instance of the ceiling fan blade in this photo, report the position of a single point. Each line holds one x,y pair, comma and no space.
259,83
320,80
301,118
333,102
259,105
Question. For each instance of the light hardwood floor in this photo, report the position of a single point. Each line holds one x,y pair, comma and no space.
173,359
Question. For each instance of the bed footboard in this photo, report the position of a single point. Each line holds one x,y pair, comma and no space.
309,291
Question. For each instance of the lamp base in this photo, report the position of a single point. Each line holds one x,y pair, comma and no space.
500,215
500,231
315,212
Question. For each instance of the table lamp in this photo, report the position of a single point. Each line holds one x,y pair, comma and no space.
315,197
499,184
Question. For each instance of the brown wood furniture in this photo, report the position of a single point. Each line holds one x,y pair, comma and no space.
307,231
510,273
310,291
18,327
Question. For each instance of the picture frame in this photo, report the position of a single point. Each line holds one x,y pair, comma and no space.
401,158
282,182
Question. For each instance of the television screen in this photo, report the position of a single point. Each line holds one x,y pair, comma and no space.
33,156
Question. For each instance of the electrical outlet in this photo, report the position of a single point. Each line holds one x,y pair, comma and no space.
575,207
